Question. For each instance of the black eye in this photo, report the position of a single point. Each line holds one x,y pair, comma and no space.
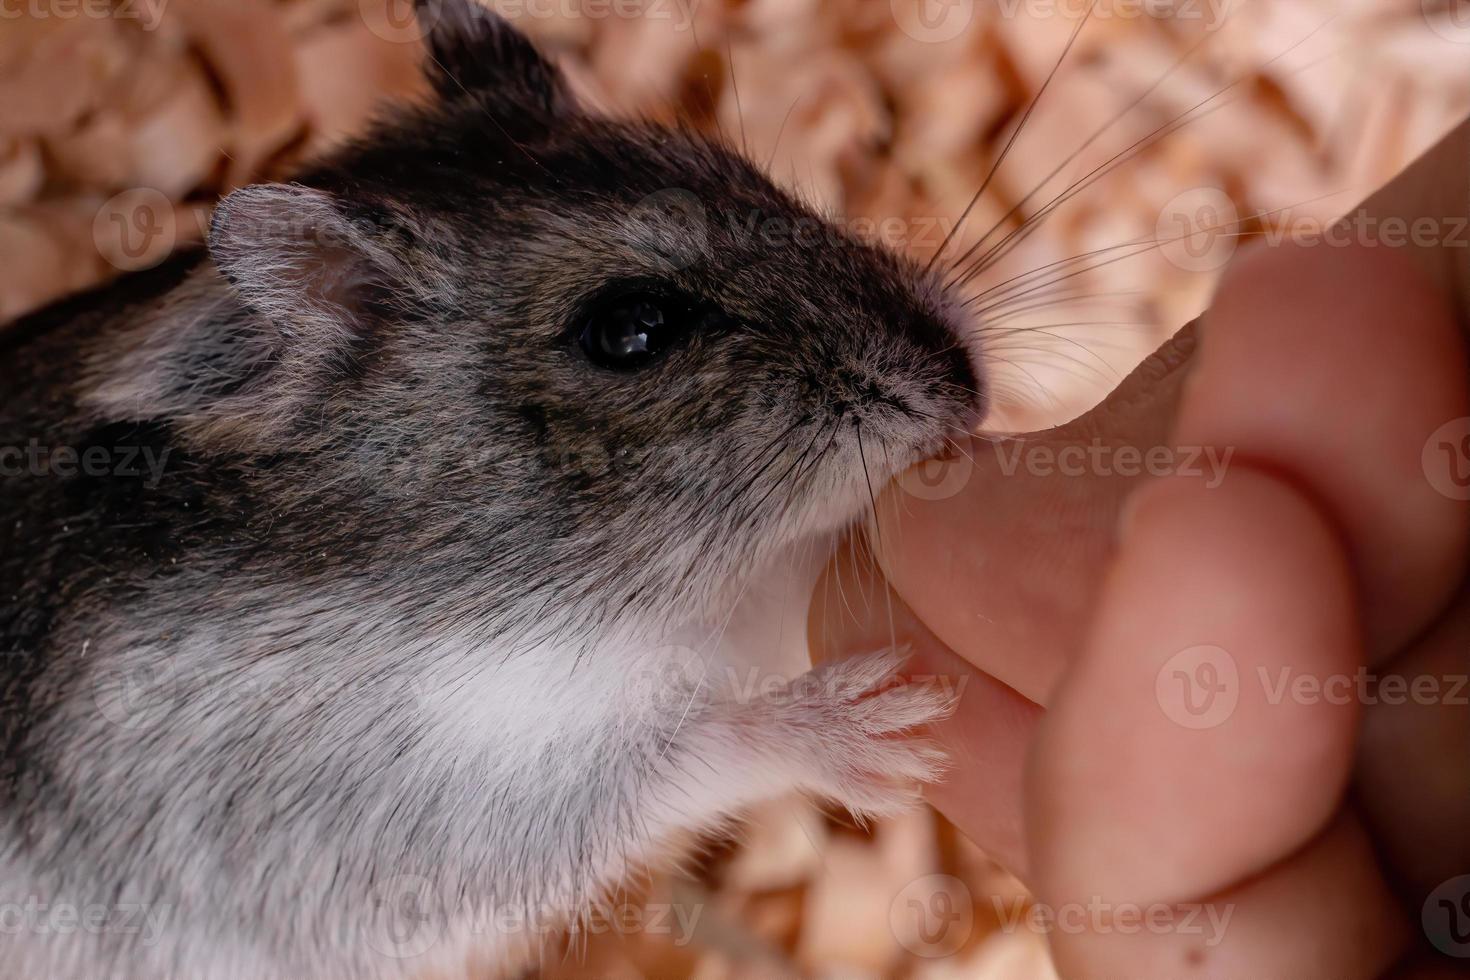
631,331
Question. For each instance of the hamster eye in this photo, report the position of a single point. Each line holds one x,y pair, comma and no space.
631,331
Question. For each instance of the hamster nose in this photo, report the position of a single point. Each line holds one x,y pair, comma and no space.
857,387
951,345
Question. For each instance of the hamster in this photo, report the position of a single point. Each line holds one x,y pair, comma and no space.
379,555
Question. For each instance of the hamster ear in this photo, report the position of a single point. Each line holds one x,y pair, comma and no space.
474,50
294,255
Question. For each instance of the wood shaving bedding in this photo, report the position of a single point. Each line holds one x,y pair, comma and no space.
115,126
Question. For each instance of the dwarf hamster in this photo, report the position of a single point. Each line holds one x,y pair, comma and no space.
376,552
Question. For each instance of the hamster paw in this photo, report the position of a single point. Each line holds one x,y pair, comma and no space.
857,720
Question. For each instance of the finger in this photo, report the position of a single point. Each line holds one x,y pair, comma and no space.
1157,786
999,552
1335,366
986,737
1413,772
1322,914
1009,562
1179,758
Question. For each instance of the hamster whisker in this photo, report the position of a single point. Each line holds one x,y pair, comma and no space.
754,510
1072,157
771,449
878,537
1012,288
1092,331
1016,288
1013,239
1106,373
781,131
810,466
1043,328
714,641
686,10
1003,293
957,446
735,89
1006,149
1025,289
1004,308
1069,365
1042,331
1047,398
807,466
868,478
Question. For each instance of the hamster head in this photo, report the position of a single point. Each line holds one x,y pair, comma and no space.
601,357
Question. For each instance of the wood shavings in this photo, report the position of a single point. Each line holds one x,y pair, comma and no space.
251,56
117,136
347,71
53,71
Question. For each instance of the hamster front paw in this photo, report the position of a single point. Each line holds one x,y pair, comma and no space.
856,725
847,732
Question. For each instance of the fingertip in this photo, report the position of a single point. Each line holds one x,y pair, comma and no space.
1193,744
1338,364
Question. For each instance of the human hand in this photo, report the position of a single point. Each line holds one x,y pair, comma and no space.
1175,689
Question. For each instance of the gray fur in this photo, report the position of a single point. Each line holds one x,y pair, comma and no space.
427,612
